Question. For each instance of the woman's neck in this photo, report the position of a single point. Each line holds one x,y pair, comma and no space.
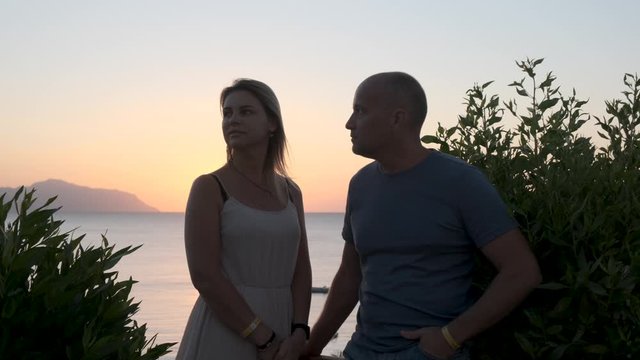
251,166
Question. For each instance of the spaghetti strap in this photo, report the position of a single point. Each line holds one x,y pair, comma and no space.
223,191
289,186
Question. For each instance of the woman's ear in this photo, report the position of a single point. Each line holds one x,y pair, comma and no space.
273,126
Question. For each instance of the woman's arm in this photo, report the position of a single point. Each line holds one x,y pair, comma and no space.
203,247
300,286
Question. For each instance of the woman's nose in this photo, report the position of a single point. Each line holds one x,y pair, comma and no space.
233,118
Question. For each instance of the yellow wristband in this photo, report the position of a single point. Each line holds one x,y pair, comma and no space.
450,340
252,327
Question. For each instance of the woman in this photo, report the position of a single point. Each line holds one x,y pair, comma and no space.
246,241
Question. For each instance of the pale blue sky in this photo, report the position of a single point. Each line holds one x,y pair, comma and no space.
123,94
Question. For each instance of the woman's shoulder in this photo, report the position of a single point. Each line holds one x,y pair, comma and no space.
209,181
204,180
290,185
294,191
211,177
205,194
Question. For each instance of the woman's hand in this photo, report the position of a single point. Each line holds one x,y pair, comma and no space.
271,351
291,347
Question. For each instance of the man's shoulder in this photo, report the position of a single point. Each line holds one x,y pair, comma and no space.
366,171
449,160
452,167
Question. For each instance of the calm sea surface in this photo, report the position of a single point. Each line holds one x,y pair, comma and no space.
160,266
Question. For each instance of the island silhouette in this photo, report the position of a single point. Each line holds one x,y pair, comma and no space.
77,198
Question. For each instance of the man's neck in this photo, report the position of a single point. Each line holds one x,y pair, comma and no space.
403,160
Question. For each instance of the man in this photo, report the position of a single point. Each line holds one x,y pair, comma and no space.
413,222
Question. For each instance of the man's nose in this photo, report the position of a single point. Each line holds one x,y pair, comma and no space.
349,124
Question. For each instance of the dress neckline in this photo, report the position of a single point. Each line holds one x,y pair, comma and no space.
286,207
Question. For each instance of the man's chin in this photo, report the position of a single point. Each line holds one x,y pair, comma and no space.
360,152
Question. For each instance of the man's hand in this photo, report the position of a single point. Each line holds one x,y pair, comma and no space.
308,353
291,347
431,342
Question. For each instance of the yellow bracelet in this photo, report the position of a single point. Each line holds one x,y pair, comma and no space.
252,327
450,340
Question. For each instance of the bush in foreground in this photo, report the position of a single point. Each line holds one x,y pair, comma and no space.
60,300
578,204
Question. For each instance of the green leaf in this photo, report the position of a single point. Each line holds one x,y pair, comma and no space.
494,120
547,82
522,92
562,305
580,103
451,131
555,329
484,86
597,288
559,351
627,284
596,349
552,286
430,139
529,71
525,344
535,319
494,102
548,104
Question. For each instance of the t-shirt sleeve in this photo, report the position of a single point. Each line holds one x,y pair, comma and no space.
347,232
484,214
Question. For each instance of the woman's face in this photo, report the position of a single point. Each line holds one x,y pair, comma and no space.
244,121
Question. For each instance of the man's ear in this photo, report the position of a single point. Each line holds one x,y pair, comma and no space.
399,117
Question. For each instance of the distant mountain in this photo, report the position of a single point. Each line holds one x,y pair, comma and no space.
76,198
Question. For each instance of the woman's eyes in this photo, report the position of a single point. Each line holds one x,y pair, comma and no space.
243,112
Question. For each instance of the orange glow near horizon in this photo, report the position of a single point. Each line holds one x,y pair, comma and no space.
158,162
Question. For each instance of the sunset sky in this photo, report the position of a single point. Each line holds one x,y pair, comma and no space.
124,94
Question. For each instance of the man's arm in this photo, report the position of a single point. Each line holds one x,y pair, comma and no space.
342,298
518,274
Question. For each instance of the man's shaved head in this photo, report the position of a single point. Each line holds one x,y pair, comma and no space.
401,89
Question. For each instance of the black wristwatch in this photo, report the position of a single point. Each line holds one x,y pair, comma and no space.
302,326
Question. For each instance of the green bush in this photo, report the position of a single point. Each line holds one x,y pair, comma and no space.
578,204
60,300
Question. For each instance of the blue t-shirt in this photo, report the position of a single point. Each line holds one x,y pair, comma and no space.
416,233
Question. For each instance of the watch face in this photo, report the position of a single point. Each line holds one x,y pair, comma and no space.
304,327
